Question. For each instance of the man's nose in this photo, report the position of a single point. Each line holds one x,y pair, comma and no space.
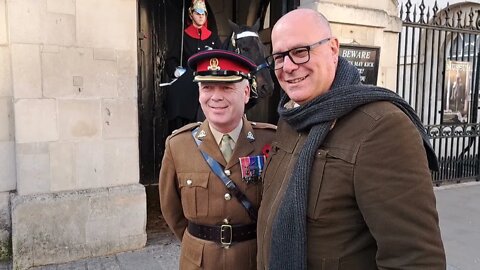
217,95
288,64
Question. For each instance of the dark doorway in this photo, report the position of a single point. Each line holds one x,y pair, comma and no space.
158,22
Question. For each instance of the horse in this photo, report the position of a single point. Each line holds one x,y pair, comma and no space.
244,40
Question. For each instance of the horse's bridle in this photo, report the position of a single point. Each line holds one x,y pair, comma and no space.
244,34
233,41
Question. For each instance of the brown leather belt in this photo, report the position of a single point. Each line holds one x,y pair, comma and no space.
223,234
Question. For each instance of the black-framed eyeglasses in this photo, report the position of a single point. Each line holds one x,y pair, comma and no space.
300,55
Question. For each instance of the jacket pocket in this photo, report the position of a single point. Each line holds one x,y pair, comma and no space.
314,206
191,252
194,192
274,167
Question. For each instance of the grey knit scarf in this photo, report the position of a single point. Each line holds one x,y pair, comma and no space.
289,242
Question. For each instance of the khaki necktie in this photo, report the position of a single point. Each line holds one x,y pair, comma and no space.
226,147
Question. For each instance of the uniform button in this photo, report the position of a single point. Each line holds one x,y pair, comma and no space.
227,196
227,172
189,182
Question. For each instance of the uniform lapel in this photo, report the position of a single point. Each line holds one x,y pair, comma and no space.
208,143
244,145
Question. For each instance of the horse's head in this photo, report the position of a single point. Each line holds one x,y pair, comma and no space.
245,41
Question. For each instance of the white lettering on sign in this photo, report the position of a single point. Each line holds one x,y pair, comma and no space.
356,54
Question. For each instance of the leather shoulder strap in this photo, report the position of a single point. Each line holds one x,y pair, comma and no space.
217,169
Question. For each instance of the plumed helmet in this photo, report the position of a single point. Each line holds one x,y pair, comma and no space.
199,7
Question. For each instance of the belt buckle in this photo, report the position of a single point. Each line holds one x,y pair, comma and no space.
226,235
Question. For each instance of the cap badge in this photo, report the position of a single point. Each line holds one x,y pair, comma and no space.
213,64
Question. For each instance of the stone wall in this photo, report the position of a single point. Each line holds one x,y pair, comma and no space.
366,23
68,100
5,227
75,94
67,226
7,145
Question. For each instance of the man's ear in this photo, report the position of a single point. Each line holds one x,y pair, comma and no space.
335,46
247,93
335,49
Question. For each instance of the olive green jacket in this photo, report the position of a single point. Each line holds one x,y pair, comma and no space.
370,201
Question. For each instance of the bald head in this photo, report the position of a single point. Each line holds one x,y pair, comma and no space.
306,53
308,18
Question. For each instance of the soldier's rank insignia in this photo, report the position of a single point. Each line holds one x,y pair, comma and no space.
252,168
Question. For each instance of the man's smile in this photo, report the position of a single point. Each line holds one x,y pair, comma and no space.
297,80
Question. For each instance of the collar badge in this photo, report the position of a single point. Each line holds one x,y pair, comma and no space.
201,134
250,136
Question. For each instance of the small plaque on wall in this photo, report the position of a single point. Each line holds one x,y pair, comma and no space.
365,59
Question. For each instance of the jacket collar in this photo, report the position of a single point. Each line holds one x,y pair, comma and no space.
243,147
198,33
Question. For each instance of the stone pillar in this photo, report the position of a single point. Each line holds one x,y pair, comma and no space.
74,93
366,23
7,145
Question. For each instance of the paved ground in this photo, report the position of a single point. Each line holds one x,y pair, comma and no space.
161,253
458,206
459,210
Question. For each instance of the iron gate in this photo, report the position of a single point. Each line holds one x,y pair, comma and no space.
438,74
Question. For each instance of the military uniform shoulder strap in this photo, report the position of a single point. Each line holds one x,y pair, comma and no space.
188,127
263,125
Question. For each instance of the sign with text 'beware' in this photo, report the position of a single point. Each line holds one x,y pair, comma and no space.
365,59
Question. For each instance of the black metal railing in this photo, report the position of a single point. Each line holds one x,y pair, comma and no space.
438,54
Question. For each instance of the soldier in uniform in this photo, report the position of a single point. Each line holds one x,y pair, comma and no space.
211,206
182,96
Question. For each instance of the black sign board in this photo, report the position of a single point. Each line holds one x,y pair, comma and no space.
365,59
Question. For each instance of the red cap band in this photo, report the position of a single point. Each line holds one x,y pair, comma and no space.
215,63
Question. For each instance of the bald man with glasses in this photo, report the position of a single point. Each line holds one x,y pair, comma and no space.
348,182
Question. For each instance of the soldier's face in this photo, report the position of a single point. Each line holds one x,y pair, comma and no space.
224,103
198,19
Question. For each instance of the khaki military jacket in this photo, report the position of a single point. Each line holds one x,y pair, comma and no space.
370,204
189,190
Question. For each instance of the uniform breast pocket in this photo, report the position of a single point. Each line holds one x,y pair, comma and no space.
194,192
